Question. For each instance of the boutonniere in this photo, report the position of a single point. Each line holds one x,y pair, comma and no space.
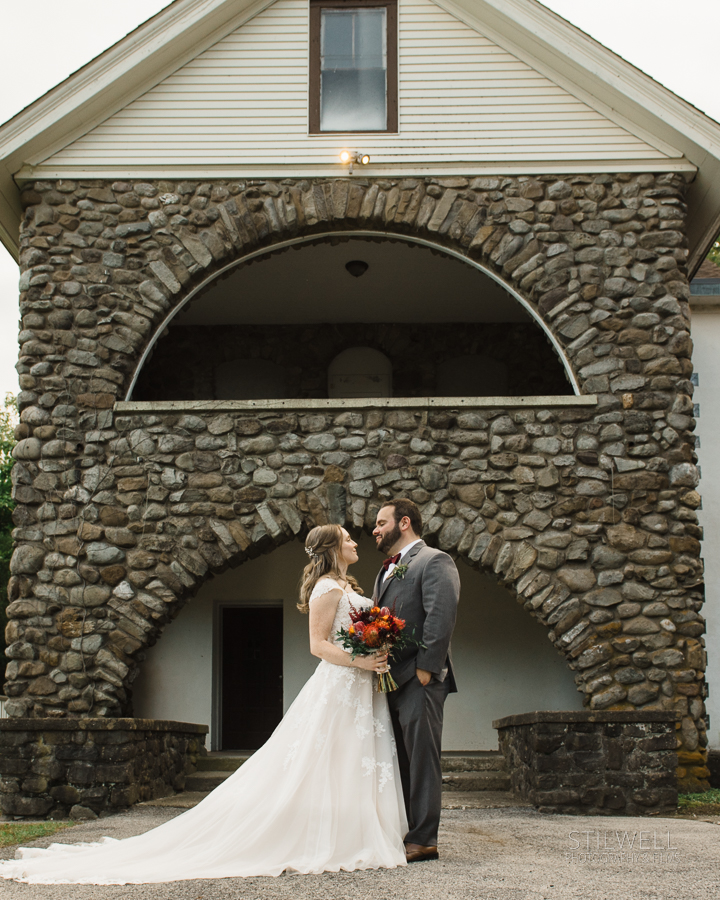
399,571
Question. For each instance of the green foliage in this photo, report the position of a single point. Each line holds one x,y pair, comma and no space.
12,833
714,254
694,802
8,414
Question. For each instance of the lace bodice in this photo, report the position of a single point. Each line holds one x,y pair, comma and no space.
342,613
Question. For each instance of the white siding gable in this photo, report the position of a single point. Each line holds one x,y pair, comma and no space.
465,104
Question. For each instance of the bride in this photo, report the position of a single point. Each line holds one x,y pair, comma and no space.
323,794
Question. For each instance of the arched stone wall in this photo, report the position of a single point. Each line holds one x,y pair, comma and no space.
587,513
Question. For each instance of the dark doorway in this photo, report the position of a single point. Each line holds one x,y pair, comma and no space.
252,670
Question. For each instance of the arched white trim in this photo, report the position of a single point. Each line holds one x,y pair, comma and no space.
389,235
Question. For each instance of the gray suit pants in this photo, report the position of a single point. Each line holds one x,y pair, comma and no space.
417,717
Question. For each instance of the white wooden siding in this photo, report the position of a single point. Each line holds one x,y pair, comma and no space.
462,99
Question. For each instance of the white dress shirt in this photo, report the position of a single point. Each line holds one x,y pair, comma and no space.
404,550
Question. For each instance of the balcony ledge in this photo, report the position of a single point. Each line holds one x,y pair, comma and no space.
151,407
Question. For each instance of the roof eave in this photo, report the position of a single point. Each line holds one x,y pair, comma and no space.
552,45
524,27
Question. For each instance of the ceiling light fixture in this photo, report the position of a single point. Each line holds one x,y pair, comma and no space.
350,157
357,267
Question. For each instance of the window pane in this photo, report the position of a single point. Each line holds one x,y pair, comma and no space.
353,70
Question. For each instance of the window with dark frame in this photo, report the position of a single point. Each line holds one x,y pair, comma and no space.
353,66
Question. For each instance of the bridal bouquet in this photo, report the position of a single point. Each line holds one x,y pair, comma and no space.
375,629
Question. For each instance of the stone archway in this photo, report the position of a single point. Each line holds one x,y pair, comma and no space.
221,272
584,507
181,677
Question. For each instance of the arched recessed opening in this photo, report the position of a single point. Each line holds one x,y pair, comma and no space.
503,660
360,372
269,327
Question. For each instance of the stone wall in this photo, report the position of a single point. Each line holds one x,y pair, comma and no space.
586,513
588,763
89,767
183,364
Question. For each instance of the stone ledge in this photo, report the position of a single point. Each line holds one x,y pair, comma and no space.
612,763
572,716
84,768
212,406
98,724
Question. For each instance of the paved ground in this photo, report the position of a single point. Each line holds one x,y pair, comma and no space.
486,854
451,800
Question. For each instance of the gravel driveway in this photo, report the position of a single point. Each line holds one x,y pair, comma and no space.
508,854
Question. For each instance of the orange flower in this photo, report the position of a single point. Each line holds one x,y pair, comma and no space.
375,610
371,636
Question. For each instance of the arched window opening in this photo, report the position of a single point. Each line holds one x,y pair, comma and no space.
360,372
273,326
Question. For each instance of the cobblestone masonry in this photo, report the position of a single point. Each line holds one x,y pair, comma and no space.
593,763
81,769
587,514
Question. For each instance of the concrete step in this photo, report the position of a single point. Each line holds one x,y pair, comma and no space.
490,761
476,781
205,781
478,772
221,761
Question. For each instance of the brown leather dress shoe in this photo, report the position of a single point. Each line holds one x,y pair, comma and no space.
418,853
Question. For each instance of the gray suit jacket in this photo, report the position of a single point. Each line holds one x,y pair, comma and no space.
427,598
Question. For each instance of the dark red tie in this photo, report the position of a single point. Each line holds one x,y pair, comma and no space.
391,561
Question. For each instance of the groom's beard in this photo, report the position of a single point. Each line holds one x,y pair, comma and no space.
390,539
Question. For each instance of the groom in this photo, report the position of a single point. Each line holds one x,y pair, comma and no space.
424,587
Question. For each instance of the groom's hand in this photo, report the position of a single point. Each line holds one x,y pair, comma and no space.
423,676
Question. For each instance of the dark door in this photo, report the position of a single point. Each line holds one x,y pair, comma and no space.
252,688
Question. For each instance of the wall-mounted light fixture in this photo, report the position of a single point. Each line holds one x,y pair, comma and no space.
350,157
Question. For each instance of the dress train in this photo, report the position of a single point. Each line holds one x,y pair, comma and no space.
322,795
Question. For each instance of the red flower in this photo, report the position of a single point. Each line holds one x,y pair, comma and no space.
385,611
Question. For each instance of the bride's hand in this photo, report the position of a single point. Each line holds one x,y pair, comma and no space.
378,662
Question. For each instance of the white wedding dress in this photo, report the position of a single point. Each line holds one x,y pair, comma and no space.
323,794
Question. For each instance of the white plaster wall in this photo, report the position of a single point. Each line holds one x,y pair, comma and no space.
503,659
175,681
706,358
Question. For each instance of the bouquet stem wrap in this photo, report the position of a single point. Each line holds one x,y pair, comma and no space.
386,682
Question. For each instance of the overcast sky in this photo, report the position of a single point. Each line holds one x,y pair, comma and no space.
46,40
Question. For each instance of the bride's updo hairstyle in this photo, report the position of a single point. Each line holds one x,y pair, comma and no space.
322,545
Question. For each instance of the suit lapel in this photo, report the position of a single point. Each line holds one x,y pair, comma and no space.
405,561
383,587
